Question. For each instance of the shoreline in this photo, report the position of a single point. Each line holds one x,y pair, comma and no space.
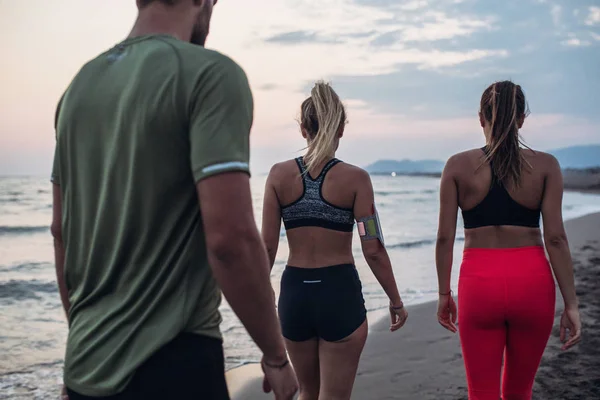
36,380
424,361
584,191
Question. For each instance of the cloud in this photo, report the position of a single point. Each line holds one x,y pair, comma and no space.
573,41
528,48
386,39
268,87
433,26
413,5
364,34
423,83
390,4
438,26
299,37
378,37
355,104
393,62
593,17
438,59
347,37
556,11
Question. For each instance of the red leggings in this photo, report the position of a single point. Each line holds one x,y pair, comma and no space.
506,303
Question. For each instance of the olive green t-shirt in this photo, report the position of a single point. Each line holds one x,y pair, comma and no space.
137,128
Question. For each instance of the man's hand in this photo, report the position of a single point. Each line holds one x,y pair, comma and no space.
279,378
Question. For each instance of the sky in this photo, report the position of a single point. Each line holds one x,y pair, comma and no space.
411,72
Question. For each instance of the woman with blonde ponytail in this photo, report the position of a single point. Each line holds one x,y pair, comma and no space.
506,290
321,307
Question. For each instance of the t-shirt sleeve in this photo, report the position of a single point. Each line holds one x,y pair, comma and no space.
221,118
55,176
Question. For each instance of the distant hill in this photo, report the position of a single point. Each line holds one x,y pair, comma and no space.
578,156
575,157
405,166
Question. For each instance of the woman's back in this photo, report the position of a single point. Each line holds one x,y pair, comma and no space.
500,214
506,290
321,306
312,204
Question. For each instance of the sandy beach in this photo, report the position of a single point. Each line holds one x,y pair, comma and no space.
423,361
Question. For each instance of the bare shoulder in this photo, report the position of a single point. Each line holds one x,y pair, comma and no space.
283,168
282,172
547,158
353,173
463,161
541,160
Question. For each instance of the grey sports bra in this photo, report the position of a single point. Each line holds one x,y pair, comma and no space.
311,209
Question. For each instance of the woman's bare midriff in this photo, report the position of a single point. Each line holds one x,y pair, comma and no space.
312,247
502,237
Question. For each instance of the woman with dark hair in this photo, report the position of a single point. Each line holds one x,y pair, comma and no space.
321,306
506,291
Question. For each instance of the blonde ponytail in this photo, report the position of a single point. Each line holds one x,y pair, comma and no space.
323,115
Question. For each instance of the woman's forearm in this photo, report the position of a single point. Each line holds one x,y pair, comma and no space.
562,265
381,266
443,259
271,246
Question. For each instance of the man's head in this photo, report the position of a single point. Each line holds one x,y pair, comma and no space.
195,14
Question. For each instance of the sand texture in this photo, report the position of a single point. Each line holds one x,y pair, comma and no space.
423,361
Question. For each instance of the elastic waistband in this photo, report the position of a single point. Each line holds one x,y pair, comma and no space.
507,250
320,271
514,261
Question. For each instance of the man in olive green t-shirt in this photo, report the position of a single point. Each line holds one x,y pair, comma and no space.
153,216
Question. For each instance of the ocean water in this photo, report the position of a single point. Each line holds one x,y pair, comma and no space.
32,323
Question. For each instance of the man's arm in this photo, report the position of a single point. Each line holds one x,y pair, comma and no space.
220,122
239,260
56,226
59,249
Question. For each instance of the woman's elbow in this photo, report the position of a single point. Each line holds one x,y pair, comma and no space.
555,239
374,252
272,253
444,239
271,248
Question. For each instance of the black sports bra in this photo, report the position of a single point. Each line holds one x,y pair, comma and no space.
499,208
311,209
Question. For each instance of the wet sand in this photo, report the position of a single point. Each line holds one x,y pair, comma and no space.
575,374
423,361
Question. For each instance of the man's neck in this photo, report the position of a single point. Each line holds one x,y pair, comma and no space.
158,22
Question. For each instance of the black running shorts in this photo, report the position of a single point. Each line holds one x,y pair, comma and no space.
324,303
